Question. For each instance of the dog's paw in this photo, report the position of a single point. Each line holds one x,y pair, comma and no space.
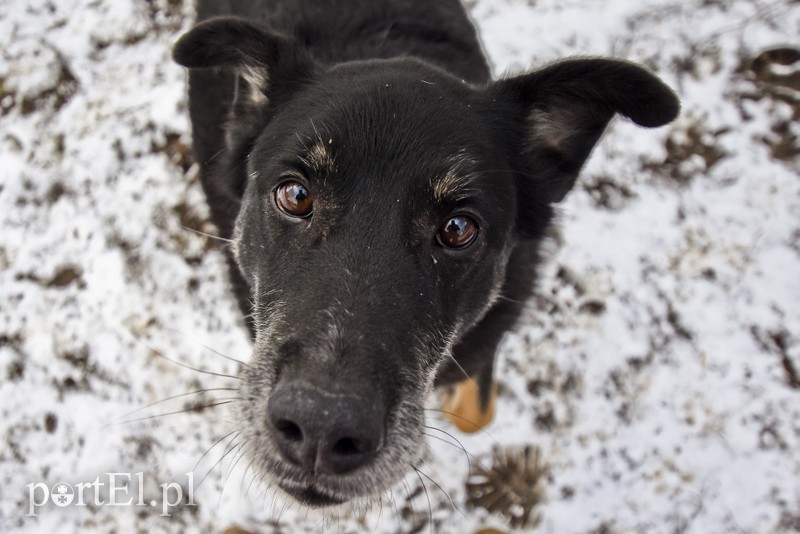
462,407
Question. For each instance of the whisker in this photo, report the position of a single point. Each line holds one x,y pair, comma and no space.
204,234
237,458
272,506
319,137
218,462
176,362
430,506
208,450
297,134
380,515
287,505
173,397
466,375
185,410
409,498
218,353
229,399
452,502
216,154
318,524
509,299
481,430
457,445
192,425
396,509
255,476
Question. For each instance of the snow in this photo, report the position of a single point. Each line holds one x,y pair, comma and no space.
652,369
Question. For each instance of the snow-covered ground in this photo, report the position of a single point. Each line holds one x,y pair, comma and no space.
657,375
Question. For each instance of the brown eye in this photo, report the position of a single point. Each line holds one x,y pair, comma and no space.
294,199
458,232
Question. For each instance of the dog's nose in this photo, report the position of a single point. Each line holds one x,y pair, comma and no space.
323,432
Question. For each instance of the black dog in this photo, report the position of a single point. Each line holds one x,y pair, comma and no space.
386,200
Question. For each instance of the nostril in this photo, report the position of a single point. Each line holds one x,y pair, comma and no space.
322,432
290,430
350,447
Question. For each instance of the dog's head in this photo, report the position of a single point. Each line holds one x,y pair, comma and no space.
379,203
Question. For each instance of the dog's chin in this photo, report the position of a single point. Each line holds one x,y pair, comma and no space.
312,497
320,492
330,491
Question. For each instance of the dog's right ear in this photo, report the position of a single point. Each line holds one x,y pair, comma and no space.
228,42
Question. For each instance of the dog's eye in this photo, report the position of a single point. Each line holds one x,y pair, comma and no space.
458,232
294,199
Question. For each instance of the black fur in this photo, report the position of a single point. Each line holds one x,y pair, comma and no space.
386,112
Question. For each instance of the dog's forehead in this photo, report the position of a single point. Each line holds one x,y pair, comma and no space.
396,161
392,99
447,174
411,123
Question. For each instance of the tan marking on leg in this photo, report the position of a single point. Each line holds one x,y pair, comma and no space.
463,407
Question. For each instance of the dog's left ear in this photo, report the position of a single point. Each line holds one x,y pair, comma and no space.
562,110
